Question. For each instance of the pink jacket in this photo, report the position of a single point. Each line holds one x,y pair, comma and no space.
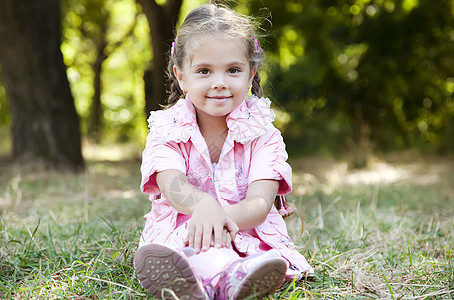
253,150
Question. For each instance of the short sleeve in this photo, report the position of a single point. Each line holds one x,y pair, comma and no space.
269,161
159,156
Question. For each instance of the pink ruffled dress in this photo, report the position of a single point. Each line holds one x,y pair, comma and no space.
253,150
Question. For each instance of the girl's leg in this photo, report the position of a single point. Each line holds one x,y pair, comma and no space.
209,263
228,276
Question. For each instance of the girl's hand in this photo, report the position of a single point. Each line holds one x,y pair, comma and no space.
210,224
208,219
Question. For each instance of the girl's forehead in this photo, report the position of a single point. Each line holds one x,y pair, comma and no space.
214,41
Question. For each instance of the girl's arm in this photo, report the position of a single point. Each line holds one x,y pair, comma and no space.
252,211
207,216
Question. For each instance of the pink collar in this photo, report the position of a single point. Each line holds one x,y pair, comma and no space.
251,119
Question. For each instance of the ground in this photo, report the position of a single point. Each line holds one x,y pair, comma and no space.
385,231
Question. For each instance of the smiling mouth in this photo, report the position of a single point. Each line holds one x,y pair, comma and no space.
220,99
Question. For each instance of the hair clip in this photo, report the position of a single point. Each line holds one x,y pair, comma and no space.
256,44
172,50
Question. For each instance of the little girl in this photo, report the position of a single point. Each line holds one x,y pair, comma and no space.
213,165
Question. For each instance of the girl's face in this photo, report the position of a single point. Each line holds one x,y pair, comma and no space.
217,77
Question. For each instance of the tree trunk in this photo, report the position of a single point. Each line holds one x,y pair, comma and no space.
95,125
45,125
162,21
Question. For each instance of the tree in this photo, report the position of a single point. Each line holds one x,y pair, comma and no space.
92,20
45,125
162,20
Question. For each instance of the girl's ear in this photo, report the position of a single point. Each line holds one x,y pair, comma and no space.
251,77
179,76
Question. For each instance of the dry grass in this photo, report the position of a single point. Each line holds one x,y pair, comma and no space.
385,232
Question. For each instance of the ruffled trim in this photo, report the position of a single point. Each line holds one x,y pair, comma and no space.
175,123
251,119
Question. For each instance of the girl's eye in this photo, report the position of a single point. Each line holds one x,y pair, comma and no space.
234,70
203,71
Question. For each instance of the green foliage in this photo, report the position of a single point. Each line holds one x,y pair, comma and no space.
343,74
348,71
4,115
119,24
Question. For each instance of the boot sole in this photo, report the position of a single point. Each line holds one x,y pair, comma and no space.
165,273
264,281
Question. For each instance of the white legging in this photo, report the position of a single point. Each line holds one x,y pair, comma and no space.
209,263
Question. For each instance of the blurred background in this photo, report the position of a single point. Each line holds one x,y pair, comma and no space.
355,77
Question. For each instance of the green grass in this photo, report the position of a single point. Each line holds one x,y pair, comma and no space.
65,236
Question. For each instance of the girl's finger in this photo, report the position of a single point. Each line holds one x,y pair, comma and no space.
206,238
218,236
227,238
198,235
190,237
232,228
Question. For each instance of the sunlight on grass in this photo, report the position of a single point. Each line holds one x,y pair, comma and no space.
379,173
115,152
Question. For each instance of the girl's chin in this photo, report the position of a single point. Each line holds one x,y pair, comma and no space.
216,113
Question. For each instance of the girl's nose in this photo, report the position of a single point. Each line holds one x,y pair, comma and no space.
219,82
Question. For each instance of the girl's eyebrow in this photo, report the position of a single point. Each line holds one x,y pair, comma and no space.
233,63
